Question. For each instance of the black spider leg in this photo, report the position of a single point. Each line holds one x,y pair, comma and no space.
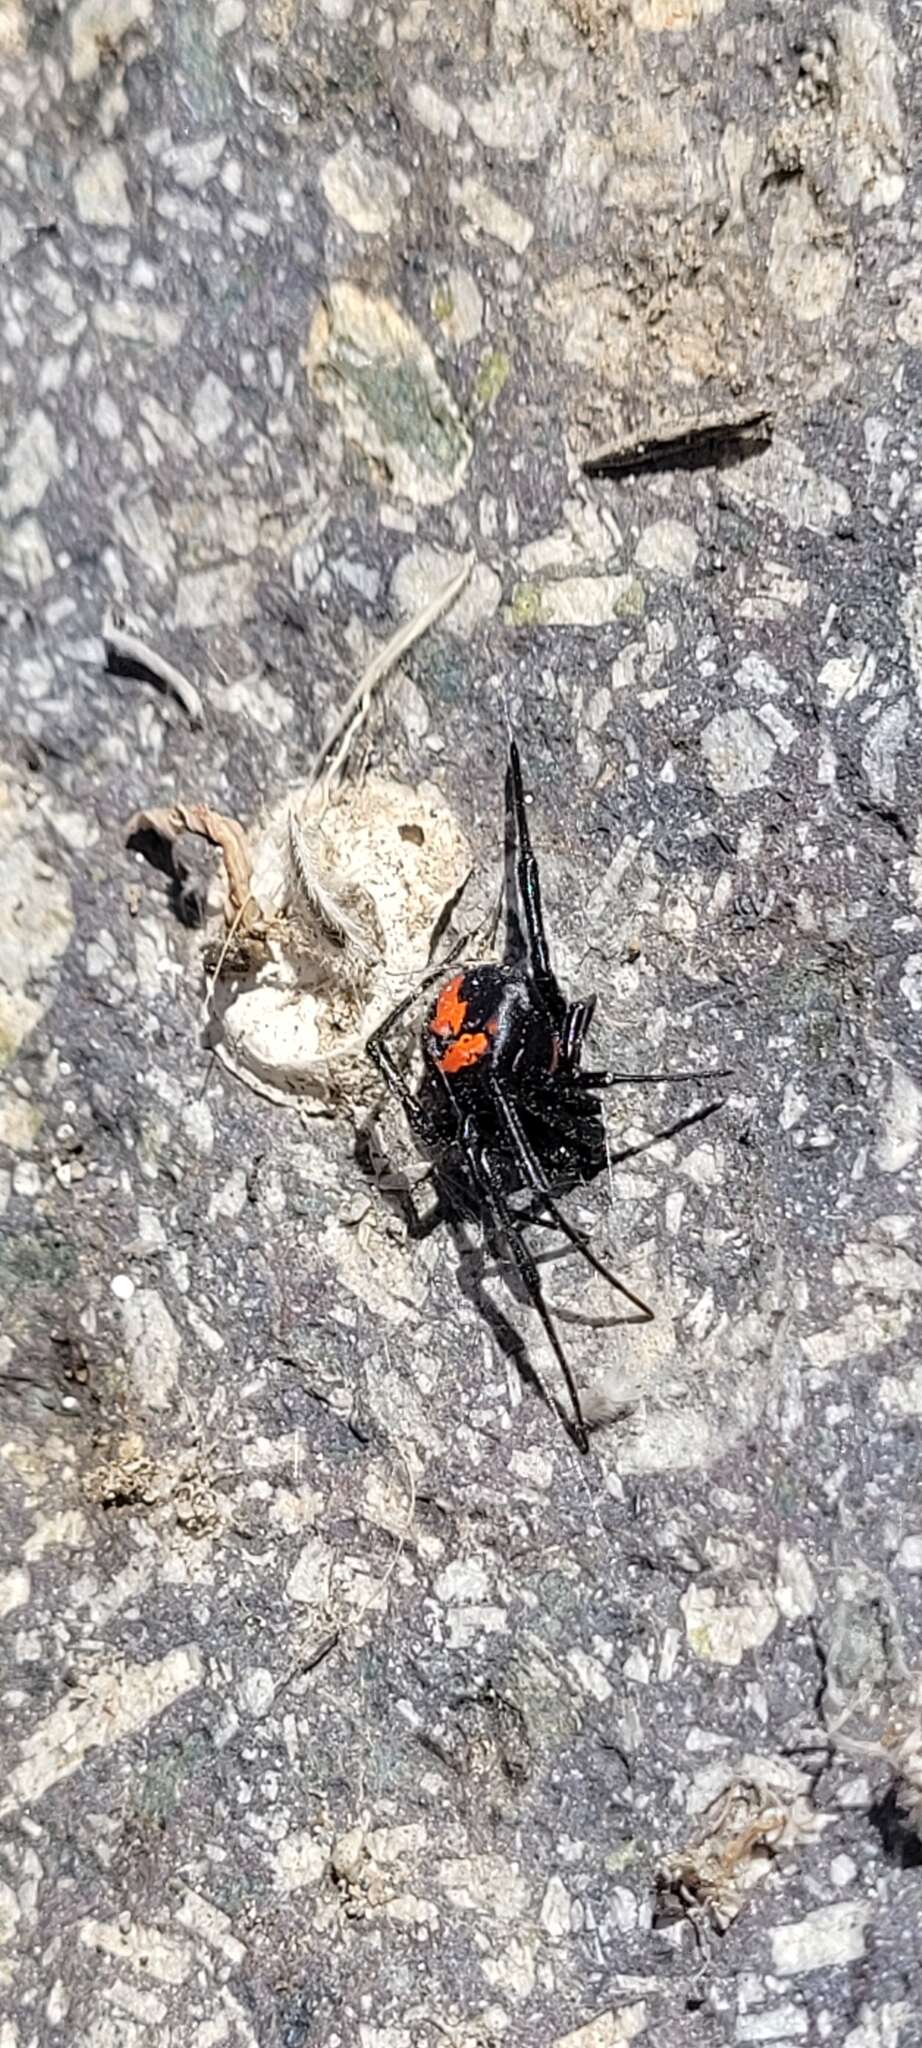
505,1227
576,1107
575,1026
605,1077
528,897
515,950
537,1179
377,1048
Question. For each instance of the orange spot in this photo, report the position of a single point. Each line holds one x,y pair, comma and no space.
465,1052
450,1012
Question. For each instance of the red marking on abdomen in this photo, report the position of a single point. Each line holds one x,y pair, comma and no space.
465,1052
450,1012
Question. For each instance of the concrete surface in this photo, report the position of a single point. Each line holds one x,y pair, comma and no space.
343,1704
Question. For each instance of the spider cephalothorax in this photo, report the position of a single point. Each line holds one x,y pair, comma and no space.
506,1110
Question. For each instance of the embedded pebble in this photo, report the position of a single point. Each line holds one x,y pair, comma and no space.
457,305
420,574
492,215
826,1939
101,192
668,548
256,1691
98,27
154,1345
212,411
435,113
721,1631
369,362
365,190
31,463
739,753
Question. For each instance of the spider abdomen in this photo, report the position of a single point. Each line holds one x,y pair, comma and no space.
486,1020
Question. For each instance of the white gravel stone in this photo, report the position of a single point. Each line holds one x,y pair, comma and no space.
810,267
588,600
212,411
257,1691
884,749
463,1583
193,164
25,555
462,317
485,1884
365,190
826,1939
15,1589
555,1910
100,191
366,359
900,1131
99,25
106,417
309,1581
784,481
31,462
795,1585
300,1860
847,675
112,1703
425,570
721,1631
153,1343
739,753
492,215
668,548
775,2023
435,113
870,143
517,119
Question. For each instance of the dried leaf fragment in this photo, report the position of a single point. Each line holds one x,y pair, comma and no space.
740,1835
169,824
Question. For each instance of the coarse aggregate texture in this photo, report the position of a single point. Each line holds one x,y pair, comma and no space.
343,1705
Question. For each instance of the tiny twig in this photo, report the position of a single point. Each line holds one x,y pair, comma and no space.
332,756
127,647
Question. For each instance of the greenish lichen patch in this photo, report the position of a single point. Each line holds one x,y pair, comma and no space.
366,359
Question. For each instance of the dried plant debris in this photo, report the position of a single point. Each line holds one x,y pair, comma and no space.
126,1476
127,654
329,906
699,444
740,1835
167,826
899,1746
349,889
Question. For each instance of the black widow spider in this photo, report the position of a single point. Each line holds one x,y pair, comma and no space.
504,1107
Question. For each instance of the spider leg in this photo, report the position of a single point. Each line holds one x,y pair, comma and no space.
605,1077
506,1227
575,1026
377,1050
515,952
683,1123
537,1179
528,895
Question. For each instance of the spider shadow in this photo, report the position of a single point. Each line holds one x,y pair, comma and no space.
898,1840
477,1261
